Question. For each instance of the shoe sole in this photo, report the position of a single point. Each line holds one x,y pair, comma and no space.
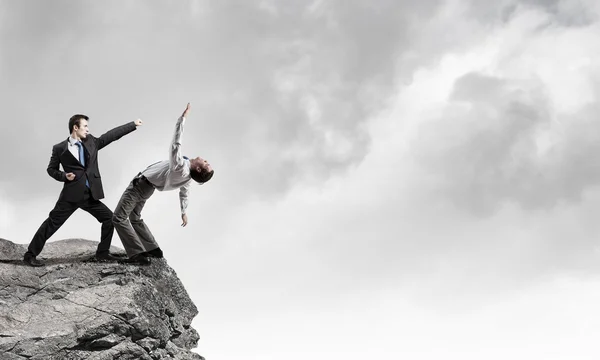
134,262
34,265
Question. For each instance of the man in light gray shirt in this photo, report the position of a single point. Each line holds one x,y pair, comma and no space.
176,173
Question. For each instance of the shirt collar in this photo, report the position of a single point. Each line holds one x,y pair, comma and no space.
72,141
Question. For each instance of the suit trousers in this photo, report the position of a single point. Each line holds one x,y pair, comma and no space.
127,218
62,211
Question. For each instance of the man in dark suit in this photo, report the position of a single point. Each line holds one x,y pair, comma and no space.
78,156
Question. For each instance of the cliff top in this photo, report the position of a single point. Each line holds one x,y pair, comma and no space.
78,308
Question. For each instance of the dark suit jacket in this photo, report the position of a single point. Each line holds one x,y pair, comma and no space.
74,190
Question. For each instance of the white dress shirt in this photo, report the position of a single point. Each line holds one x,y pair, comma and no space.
173,173
73,147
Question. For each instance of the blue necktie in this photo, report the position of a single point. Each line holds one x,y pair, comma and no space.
185,157
82,159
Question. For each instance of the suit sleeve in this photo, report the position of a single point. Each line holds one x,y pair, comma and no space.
53,166
114,134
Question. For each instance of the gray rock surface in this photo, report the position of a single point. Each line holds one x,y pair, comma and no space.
78,308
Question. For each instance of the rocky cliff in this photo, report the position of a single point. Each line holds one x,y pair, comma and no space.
78,308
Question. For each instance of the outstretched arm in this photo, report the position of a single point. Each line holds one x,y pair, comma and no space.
116,133
175,156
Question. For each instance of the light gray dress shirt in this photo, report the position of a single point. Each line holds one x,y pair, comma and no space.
173,173
73,148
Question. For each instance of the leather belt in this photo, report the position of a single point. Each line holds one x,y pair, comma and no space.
144,179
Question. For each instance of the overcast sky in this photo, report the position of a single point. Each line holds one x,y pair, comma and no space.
393,180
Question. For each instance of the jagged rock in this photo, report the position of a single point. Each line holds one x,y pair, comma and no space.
78,308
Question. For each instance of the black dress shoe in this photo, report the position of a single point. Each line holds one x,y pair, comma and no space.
156,253
32,261
139,259
106,257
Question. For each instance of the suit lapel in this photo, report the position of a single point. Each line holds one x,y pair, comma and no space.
67,155
86,154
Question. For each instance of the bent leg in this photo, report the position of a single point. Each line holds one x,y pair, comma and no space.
120,219
57,217
104,215
141,229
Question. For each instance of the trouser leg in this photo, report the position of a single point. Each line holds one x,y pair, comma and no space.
136,193
57,217
141,229
104,215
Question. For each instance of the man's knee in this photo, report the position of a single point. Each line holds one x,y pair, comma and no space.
109,217
135,218
118,219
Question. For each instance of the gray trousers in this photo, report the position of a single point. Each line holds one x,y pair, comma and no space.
127,218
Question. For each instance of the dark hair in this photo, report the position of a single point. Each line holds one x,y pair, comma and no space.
76,120
201,176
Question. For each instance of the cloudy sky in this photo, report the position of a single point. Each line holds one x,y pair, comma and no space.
392,179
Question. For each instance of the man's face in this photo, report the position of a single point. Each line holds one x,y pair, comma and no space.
201,163
82,129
